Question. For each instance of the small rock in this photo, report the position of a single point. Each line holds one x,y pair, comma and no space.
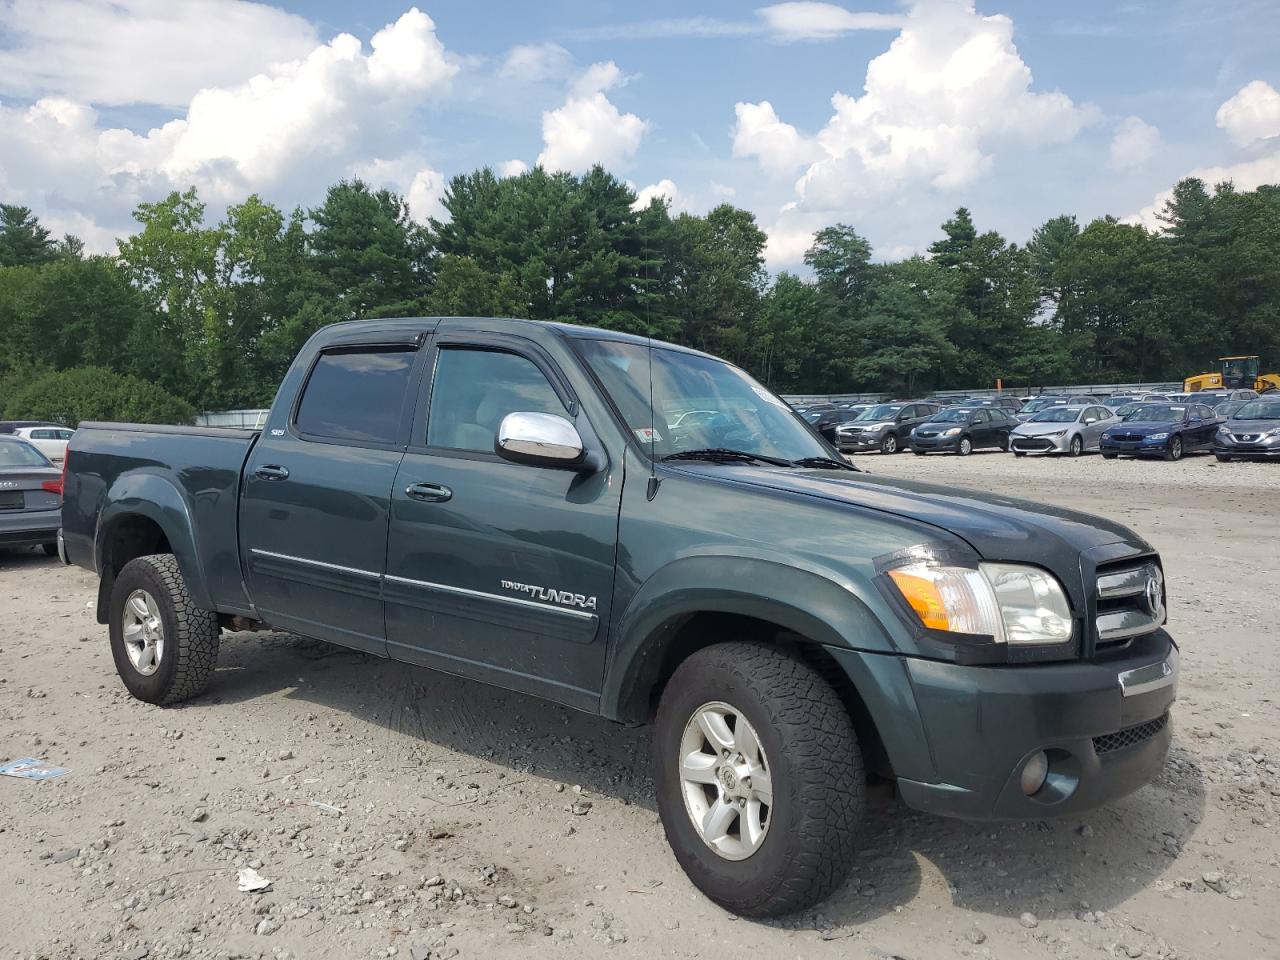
62,856
419,952
267,926
1130,950
976,936
137,953
579,808
200,816
1029,920
1085,831
508,901
1212,878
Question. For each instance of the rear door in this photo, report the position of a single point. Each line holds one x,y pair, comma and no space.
497,570
316,491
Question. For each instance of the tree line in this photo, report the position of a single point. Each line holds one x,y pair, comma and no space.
194,314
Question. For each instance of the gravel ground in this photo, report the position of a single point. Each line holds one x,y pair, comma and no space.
402,813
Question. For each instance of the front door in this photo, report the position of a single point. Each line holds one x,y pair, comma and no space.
496,570
317,487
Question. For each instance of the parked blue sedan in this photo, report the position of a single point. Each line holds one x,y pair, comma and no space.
1165,430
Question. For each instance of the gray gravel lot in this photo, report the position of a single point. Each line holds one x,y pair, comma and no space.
403,813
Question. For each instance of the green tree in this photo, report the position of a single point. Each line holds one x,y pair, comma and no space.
23,241
94,393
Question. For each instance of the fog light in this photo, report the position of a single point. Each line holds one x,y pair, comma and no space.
1034,772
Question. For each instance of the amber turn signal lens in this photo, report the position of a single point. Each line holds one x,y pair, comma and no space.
924,597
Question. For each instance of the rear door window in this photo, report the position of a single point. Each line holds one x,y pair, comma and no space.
356,395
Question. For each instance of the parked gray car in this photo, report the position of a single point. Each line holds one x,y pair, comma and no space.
30,496
1253,431
1069,430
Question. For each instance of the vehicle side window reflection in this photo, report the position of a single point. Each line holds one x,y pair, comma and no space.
473,390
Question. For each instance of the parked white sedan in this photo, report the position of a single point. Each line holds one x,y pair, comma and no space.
1069,429
51,441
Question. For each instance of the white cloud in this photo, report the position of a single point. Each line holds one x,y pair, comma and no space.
950,87
587,128
786,246
512,168
425,195
291,130
778,146
664,188
534,62
112,52
1134,144
822,21
1252,114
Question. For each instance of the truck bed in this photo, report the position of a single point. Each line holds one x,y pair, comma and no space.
186,480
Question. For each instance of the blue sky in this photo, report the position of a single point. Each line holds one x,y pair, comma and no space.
1019,111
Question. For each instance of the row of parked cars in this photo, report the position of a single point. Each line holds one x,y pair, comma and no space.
1233,424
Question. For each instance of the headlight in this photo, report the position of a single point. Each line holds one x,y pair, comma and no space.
1010,602
1056,433
952,432
1158,436
1223,431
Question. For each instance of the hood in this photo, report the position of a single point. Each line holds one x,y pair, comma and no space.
1144,428
1252,426
1043,427
999,528
869,424
930,427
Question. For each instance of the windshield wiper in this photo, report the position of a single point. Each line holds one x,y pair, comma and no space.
824,463
725,455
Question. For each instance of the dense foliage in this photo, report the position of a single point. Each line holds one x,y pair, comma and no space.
211,313
92,393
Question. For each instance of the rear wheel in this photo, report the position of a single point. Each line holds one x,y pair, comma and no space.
759,778
889,444
164,646
964,447
1174,450
1075,447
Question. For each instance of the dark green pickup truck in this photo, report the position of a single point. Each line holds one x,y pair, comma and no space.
642,531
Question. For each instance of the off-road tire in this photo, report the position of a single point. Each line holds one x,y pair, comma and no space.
191,634
819,786
1174,450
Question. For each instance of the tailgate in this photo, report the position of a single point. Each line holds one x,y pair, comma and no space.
22,490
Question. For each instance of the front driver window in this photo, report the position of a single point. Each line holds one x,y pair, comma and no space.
474,389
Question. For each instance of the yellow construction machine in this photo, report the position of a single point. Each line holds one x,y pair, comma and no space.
1235,373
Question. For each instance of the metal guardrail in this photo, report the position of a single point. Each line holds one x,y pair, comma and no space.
243,419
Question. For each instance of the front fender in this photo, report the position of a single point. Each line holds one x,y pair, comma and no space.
149,493
802,601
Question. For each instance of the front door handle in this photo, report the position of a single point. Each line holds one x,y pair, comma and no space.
428,492
271,471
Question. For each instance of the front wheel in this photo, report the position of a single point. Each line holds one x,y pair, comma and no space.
1076,447
759,778
964,447
164,646
889,444
1174,450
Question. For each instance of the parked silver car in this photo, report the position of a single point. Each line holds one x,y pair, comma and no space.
1069,429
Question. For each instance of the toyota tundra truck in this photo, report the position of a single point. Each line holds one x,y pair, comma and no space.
523,504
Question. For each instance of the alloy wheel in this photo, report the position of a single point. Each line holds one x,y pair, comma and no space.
726,780
143,632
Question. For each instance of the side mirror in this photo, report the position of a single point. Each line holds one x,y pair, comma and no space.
539,439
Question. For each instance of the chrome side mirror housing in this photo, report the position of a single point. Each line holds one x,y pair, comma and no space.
540,439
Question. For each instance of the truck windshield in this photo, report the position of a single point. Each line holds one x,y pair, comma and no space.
743,414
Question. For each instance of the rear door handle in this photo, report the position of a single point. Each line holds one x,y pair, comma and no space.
428,492
271,471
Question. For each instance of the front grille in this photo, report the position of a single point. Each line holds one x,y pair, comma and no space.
1127,437
1246,437
1129,737
1130,600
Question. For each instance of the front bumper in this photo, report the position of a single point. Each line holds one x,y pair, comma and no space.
28,527
1038,444
1233,447
858,443
930,444
1135,448
1105,736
